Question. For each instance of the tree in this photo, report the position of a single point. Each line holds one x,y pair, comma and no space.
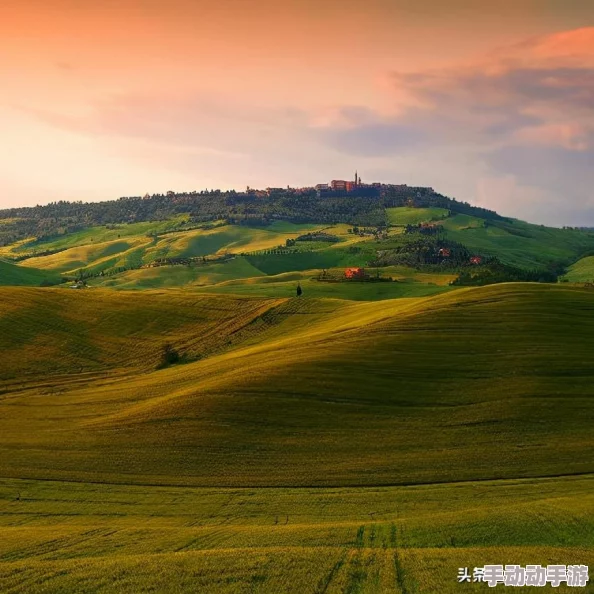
299,290
169,356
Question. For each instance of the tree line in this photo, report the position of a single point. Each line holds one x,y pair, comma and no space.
62,217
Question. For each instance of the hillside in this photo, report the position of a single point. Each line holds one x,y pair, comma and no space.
304,446
519,243
266,260
11,274
582,271
447,386
185,421
65,332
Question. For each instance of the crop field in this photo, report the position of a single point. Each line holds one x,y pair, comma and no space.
518,243
405,215
301,444
582,271
176,253
77,537
11,274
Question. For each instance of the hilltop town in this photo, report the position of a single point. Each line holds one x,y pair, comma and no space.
336,188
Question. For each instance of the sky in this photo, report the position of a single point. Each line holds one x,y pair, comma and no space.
487,102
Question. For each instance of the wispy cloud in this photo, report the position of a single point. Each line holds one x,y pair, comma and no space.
526,112
509,130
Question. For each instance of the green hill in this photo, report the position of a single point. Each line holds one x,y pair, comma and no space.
407,215
182,252
317,369
11,274
306,445
518,243
582,271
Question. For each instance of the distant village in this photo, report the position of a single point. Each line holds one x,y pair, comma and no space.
337,188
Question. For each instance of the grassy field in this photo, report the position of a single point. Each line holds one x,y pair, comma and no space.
405,215
123,254
306,445
95,256
518,243
196,275
284,285
11,274
582,271
276,387
76,537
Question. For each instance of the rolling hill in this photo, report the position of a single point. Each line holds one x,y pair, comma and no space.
305,445
426,377
186,423
11,274
519,243
179,253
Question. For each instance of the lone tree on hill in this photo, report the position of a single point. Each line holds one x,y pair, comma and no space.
169,356
299,290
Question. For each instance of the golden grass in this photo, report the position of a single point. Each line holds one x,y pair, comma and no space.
109,538
318,445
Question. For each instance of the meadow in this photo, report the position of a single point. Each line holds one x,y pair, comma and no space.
518,243
408,215
582,271
366,437
80,537
178,253
306,444
13,275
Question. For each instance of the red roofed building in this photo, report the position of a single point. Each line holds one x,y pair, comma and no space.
354,273
445,252
338,184
476,260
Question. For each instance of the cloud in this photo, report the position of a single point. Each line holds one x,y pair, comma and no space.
543,82
525,114
360,131
512,129
202,122
538,91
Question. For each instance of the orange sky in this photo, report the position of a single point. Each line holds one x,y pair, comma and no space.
119,98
